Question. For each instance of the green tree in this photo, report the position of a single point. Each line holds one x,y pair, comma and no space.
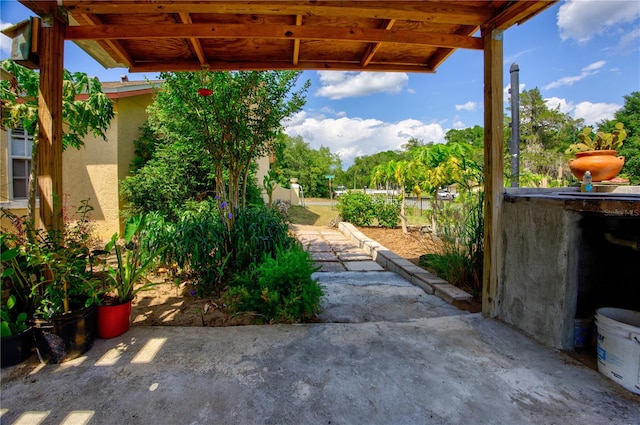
359,174
296,159
91,113
629,115
400,173
237,123
544,135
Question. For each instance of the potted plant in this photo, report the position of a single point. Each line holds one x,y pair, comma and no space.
134,260
55,269
16,309
597,154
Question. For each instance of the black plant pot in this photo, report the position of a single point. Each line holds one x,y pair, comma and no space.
65,337
16,348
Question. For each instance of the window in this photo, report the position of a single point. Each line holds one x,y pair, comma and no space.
20,147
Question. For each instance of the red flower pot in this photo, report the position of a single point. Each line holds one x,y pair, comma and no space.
113,320
204,92
603,165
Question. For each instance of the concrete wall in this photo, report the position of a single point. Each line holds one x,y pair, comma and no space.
539,270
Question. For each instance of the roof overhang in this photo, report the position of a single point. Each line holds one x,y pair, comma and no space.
406,36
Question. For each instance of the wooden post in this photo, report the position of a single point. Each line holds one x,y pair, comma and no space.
493,170
50,122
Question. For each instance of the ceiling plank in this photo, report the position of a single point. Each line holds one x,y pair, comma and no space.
518,13
373,48
283,32
197,47
434,12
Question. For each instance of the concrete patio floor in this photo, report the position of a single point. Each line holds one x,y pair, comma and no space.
387,353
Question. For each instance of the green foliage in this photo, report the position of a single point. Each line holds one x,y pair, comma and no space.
182,171
601,140
461,259
56,266
296,159
629,115
358,175
280,289
134,260
201,242
387,213
356,208
11,322
236,125
144,147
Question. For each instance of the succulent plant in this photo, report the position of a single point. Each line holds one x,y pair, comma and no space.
601,140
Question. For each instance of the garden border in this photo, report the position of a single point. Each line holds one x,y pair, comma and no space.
418,276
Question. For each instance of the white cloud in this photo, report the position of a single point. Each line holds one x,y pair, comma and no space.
340,85
555,102
588,70
352,137
5,42
630,42
592,113
469,106
582,20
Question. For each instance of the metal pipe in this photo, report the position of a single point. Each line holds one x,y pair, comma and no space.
514,142
635,245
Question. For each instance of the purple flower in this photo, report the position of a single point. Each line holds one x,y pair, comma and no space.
223,204
230,216
192,292
217,197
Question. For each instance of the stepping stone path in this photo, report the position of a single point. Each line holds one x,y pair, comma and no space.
357,289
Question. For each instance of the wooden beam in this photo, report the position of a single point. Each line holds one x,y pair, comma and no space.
373,48
493,171
50,124
282,32
275,66
434,12
518,13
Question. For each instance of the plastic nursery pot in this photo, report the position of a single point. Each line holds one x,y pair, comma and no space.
65,337
17,348
113,320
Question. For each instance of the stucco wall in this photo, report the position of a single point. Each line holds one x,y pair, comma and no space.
94,171
539,270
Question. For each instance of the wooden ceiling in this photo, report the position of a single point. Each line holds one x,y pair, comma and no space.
156,35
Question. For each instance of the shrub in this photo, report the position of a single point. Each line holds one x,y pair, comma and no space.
202,241
356,208
280,289
387,212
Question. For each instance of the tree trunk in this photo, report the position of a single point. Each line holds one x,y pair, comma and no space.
403,217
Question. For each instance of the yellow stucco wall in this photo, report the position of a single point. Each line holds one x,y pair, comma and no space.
94,171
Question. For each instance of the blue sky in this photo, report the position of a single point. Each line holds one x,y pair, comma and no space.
583,55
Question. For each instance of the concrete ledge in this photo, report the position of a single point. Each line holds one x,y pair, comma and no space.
428,282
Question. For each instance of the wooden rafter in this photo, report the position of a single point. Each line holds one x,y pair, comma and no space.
296,43
112,45
428,11
197,47
373,48
276,32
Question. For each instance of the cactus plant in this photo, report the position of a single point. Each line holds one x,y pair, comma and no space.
601,140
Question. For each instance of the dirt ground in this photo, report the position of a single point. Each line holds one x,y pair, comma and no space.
171,304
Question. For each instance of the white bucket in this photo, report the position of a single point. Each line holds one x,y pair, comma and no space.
619,346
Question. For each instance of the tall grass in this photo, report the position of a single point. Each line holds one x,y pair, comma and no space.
461,257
